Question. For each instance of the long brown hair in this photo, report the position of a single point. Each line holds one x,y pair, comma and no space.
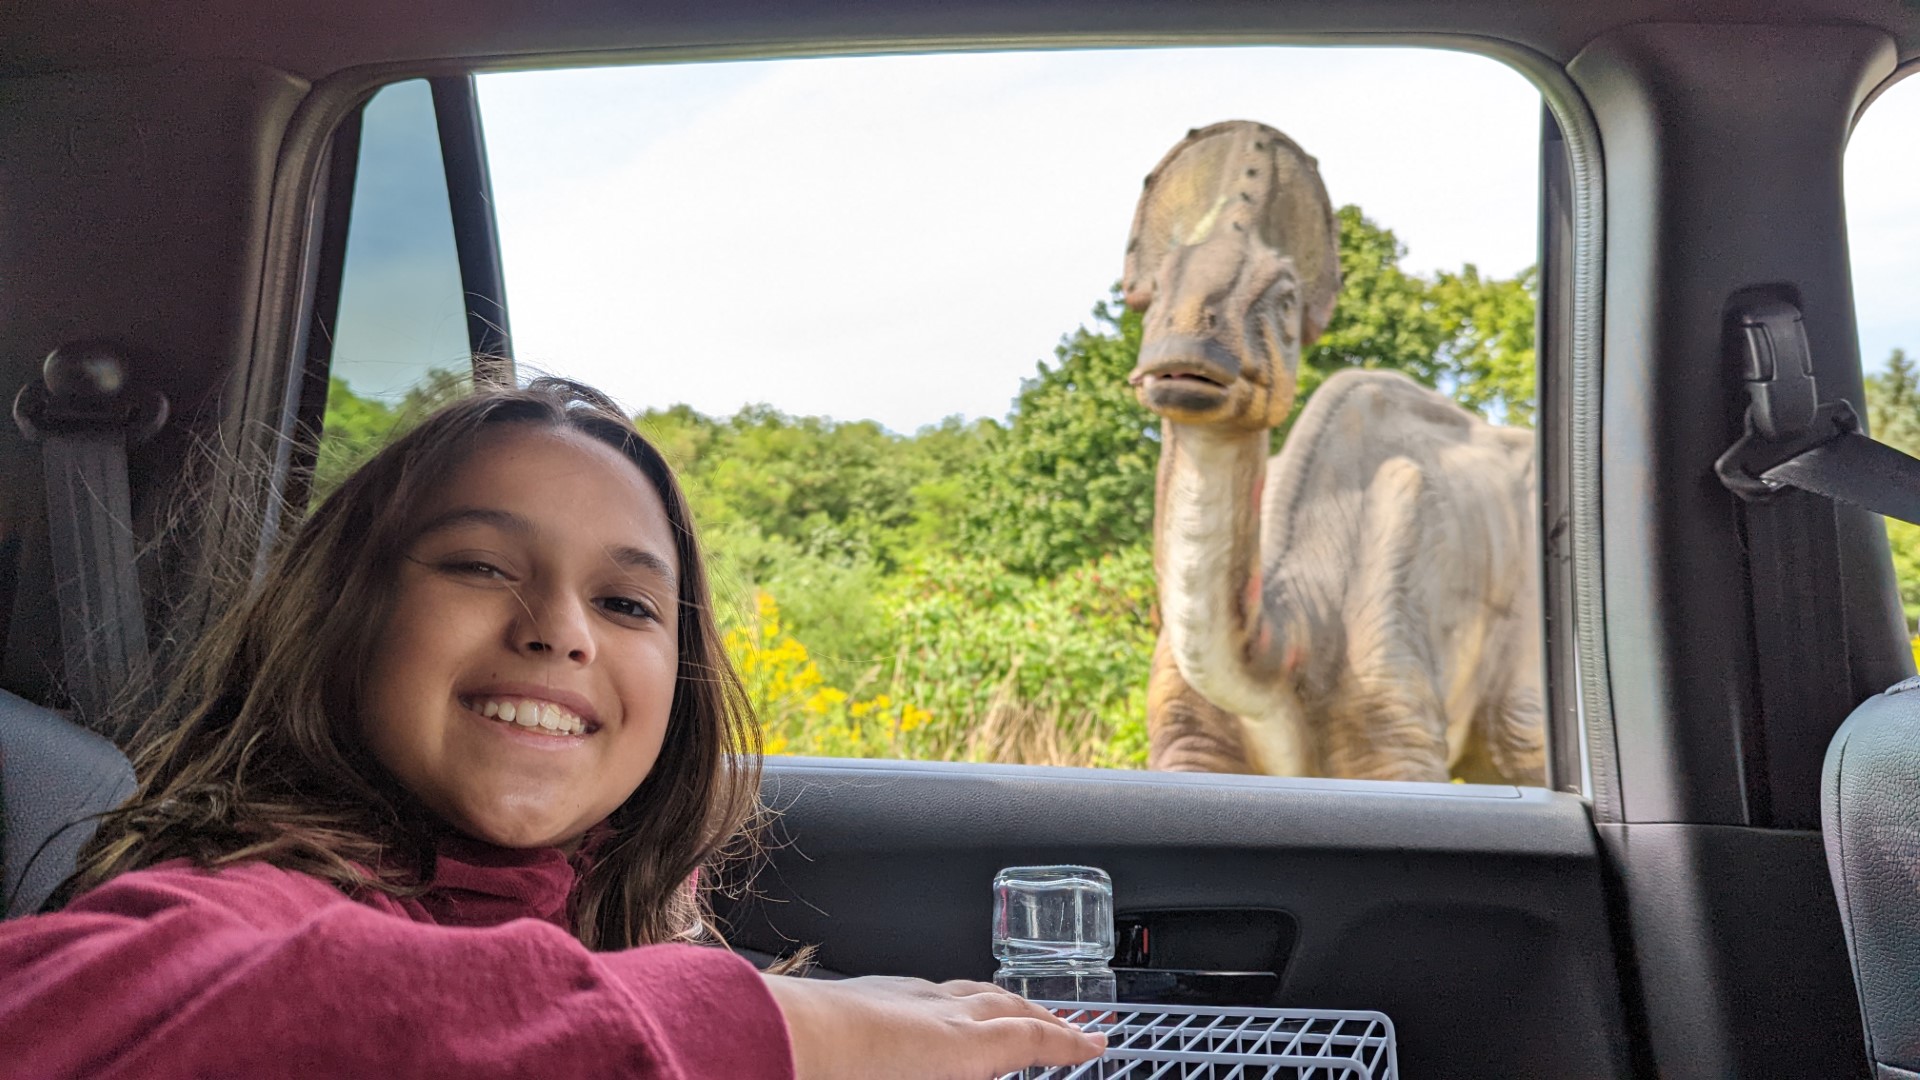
254,753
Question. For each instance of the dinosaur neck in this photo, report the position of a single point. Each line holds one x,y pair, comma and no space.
1206,554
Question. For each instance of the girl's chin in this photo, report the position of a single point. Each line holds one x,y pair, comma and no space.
566,840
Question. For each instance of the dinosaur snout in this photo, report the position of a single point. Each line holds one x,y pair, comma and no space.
1184,356
1185,378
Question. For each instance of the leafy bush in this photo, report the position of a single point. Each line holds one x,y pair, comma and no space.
989,666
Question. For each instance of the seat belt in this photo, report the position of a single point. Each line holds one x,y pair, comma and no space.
84,418
1796,441
1799,457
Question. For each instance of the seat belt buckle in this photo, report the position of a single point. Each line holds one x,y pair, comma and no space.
1785,416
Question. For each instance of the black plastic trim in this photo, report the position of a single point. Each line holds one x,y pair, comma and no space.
463,150
341,171
1553,349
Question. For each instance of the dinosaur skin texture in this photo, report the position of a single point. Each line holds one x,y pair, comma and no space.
1367,603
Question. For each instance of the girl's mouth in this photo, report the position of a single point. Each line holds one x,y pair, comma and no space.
534,716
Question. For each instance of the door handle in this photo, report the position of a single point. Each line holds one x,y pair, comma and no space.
1193,986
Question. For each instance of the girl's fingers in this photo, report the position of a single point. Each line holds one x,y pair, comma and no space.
1048,1042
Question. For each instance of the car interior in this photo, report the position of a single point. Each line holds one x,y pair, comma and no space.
1718,879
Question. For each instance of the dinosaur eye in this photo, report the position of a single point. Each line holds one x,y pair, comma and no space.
1284,306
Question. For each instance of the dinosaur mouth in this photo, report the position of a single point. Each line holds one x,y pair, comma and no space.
1183,394
1182,373
1176,377
1184,377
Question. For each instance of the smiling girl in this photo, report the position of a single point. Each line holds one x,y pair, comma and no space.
432,800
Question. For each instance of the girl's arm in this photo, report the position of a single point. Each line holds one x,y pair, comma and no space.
259,972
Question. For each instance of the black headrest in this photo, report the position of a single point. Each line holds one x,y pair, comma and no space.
1870,813
53,776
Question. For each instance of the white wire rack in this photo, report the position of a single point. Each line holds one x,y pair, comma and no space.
1178,1042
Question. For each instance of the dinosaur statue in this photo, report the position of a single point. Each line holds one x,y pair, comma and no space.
1366,604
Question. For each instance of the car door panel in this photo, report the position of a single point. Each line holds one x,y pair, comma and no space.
1475,917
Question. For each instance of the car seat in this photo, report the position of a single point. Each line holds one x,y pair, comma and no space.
54,777
1870,818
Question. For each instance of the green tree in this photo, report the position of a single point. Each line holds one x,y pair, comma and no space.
1385,317
1893,417
1071,478
817,513
1487,361
1893,404
842,490
353,427
1464,333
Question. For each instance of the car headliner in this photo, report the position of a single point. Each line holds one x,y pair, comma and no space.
313,38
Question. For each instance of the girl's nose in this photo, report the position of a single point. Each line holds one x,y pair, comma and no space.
537,646
558,627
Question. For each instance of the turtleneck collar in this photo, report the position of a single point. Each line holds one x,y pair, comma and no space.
478,884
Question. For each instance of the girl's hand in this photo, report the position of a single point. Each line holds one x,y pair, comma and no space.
907,1029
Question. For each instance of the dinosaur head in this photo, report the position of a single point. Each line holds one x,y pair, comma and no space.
1234,259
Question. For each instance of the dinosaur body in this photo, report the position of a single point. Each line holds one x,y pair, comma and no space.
1366,604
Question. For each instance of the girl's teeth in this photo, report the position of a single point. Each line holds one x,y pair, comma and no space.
534,715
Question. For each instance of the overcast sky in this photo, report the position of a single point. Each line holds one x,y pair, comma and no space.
904,238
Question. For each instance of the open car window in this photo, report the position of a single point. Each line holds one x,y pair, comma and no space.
872,309
399,341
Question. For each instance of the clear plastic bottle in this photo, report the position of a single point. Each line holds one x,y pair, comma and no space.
1053,932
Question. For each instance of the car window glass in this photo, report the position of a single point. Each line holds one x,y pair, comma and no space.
400,336
870,308
1883,244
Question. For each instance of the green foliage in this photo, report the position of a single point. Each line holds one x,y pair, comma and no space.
1385,317
1009,668
1489,352
848,492
1071,478
989,666
1893,417
1465,333
354,427
1893,404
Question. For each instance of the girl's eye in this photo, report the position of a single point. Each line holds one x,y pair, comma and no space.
475,568
626,607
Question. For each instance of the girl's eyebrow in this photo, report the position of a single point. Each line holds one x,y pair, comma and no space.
630,557
505,520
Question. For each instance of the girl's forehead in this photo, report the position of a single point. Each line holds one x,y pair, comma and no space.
521,453
555,477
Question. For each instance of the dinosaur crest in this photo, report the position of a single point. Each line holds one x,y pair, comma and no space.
1234,257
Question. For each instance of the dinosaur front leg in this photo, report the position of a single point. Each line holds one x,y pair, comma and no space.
1186,732
1516,735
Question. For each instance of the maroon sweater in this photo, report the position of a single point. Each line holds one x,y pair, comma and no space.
252,971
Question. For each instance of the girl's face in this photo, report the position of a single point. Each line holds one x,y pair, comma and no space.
522,683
